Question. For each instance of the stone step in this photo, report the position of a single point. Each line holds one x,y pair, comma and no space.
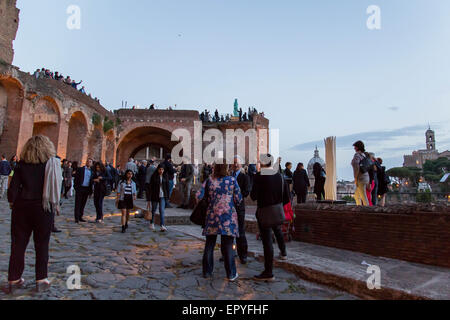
348,271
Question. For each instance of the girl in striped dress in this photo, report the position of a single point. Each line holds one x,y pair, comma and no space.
126,193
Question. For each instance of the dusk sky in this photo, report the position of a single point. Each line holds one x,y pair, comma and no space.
313,67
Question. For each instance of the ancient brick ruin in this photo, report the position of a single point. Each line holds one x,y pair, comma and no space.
75,121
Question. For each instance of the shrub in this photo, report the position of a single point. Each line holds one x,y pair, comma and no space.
96,119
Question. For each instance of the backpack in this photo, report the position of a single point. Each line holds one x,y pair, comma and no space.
365,164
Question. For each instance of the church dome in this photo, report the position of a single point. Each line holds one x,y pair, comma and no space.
311,162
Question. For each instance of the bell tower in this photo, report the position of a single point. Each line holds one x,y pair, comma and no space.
431,140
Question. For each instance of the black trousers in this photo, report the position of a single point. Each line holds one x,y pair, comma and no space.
81,197
66,190
98,203
267,240
28,217
301,196
241,242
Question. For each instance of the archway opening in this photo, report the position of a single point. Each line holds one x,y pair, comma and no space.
11,100
46,120
76,137
142,140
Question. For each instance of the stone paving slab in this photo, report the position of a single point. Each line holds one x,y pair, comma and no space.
143,265
344,270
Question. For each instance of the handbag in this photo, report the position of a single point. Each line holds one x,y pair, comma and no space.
198,215
274,215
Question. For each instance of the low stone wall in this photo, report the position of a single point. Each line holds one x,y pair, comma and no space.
416,233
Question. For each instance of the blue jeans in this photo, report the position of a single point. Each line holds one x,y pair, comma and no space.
170,190
227,253
162,207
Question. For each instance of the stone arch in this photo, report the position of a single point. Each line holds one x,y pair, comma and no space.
77,137
11,105
95,144
138,138
47,119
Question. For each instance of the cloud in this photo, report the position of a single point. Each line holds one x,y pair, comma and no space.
371,137
394,108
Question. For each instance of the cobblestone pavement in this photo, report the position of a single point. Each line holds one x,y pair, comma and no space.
141,265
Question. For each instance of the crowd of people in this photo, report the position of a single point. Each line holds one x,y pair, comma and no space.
206,116
39,181
48,74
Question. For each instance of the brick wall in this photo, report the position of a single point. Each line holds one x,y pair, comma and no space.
418,237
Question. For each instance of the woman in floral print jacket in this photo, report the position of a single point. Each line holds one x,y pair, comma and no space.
223,194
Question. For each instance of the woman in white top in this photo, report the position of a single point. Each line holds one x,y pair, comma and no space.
126,193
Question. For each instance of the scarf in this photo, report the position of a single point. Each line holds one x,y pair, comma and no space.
52,185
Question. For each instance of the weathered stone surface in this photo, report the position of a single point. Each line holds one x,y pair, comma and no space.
169,267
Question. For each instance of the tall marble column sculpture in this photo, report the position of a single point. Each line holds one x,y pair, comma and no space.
330,160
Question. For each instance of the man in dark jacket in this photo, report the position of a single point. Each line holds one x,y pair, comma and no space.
142,174
169,171
244,184
301,183
5,170
268,190
186,179
83,189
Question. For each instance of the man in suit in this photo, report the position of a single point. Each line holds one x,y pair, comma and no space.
186,179
244,184
83,189
301,183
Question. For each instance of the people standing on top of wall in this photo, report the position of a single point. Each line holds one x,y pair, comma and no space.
320,179
34,196
186,180
159,192
301,183
126,193
360,173
100,178
5,171
169,171
383,182
83,189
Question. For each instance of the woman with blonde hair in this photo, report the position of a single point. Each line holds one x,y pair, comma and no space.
34,196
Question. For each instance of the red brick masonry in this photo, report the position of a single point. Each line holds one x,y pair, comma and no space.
422,237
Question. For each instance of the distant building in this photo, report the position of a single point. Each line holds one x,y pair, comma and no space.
311,163
418,158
